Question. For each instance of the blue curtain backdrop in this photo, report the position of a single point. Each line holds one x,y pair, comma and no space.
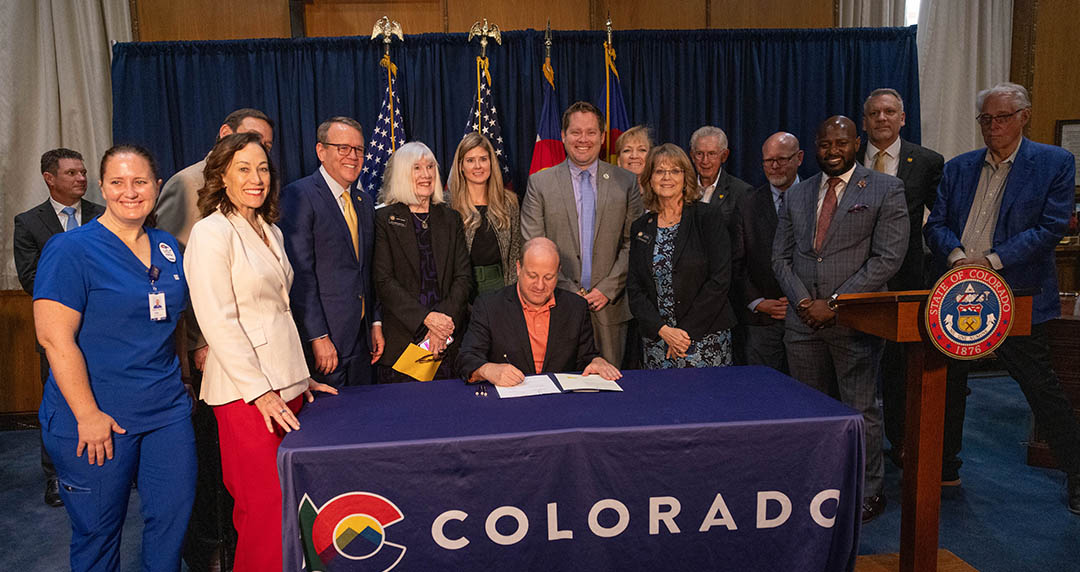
172,96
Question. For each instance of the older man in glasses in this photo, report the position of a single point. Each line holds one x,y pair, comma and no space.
1005,207
329,237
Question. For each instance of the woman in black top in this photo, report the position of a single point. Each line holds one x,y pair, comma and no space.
422,272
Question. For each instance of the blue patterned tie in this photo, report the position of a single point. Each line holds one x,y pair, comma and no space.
72,222
586,220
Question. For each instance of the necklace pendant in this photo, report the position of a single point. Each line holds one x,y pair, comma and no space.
423,225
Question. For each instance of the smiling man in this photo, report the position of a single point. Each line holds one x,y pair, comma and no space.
841,231
552,323
586,207
709,151
329,228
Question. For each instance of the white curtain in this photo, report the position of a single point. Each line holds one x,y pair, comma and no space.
964,47
55,92
871,13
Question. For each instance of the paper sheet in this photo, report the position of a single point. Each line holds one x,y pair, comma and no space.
577,382
533,385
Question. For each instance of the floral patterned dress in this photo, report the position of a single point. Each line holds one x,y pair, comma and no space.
712,350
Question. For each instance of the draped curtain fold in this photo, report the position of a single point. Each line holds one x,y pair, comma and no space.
172,97
872,13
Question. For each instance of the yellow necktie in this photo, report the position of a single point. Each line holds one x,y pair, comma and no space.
350,220
879,161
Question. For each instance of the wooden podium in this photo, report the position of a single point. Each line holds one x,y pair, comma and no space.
898,316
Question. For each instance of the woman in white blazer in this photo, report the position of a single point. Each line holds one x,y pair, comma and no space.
255,374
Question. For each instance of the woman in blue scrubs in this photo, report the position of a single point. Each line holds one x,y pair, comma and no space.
107,300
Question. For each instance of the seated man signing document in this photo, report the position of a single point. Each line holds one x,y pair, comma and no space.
530,327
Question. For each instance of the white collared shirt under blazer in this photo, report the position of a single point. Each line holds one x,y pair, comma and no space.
239,290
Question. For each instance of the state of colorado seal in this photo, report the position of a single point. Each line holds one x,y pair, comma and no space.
969,313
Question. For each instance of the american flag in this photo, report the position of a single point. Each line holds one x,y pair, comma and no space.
485,119
387,135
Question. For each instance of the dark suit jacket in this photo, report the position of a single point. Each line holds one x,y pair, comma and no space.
397,274
33,229
497,333
1035,209
920,170
863,248
332,289
754,227
701,273
729,189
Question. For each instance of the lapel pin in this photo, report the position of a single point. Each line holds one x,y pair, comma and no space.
606,176
861,184
909,159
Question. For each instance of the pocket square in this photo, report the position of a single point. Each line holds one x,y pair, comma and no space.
858,208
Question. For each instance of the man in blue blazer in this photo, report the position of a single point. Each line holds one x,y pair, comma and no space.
841,231
1006,207
329,228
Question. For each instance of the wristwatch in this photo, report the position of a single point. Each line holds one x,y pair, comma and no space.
832,303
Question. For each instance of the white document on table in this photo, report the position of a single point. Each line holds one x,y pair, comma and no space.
578,382
533,385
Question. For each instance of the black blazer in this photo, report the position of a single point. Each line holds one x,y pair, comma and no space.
729,191
754,226
497,333
33,229
920,170
397,274
701,273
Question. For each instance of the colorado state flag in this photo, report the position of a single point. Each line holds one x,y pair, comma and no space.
548,150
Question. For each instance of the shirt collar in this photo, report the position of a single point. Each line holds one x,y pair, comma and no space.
335,188
777,192
712,184
575,171
58,206
528,307
893,150
844,177
1010,159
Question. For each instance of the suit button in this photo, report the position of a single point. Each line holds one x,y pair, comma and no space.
819,259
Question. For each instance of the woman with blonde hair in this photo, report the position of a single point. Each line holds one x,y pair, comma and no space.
488,211
631,148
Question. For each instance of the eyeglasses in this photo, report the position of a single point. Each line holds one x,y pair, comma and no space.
986,119
343,149
779,161
667,172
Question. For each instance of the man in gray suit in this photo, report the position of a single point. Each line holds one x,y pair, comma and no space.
844,230
586,207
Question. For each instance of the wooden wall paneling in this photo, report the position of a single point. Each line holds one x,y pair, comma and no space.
650,15
20,370
325,18
771,14
169,20
1055,90
564,14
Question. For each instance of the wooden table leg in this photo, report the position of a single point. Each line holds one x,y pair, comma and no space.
924,428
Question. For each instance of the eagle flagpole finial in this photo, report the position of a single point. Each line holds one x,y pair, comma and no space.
485,31
387,28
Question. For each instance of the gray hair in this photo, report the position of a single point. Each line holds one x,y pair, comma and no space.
879,92
324,127
1017,92
708,131
397,180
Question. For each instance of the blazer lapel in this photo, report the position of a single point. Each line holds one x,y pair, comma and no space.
558,326
254,244
907,160
519,332
439,228
683,234
48,217
89,211
566,190
330,204
810,207
603,194
401,230
1016,183
852,191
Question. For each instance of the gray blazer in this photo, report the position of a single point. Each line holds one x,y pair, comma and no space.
549,210
863,249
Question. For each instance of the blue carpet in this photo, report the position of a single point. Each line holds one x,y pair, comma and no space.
1006,517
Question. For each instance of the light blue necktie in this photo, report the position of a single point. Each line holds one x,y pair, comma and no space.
72,222
586,218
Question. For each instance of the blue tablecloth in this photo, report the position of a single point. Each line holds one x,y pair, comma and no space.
736,468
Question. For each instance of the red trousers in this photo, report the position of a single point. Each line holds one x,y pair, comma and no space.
249,469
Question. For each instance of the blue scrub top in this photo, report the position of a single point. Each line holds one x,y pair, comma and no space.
132,363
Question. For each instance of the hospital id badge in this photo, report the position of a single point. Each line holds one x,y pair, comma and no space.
157,306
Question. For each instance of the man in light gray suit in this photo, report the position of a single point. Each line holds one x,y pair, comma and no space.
843,230
586,206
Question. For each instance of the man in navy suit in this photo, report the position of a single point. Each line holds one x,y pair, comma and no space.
842,231
329,228
65,209
1005,207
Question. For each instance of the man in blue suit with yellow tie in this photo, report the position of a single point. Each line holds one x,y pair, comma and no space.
1005,207
329,237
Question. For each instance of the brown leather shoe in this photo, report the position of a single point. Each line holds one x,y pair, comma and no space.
873,507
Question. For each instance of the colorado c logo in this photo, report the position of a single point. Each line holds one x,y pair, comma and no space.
348,533
969,312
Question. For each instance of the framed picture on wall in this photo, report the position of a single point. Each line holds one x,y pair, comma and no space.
1067,136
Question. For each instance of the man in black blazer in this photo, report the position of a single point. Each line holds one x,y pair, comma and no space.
760,304
65,209
920,170
709,150
501,344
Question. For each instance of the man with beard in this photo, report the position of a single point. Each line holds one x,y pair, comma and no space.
842,231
